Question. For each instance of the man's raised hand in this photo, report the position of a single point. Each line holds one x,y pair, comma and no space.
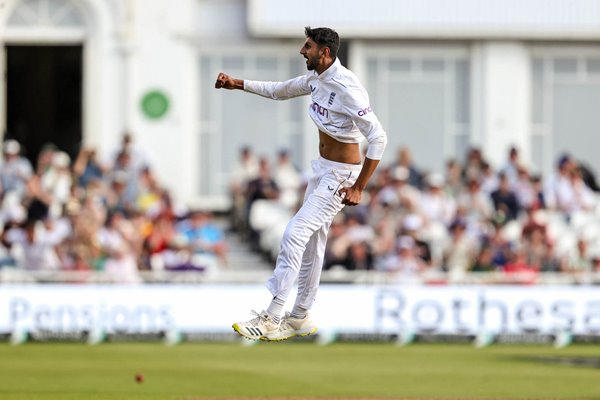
224,81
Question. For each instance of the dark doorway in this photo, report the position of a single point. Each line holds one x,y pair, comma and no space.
43,99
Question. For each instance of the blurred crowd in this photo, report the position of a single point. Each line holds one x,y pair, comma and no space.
414,223
88,214
113,215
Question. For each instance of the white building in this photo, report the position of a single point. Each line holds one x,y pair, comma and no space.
443,75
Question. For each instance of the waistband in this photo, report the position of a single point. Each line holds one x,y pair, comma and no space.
323,162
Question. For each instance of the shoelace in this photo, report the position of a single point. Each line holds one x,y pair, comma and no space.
283,321
259,318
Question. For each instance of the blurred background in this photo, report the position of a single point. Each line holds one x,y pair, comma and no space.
123,166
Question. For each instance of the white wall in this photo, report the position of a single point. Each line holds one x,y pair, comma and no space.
540,19
505,99
160,56
133,46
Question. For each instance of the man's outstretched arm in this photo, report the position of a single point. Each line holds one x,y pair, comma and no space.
227,82
274,90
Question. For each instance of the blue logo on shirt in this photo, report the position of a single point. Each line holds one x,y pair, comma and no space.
331,98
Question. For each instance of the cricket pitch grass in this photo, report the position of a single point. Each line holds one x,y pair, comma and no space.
297,370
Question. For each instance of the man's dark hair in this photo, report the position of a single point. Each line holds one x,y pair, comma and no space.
324,37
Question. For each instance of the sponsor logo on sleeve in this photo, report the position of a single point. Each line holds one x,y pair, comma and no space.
364,111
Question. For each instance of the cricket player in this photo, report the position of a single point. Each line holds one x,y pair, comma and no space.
341,110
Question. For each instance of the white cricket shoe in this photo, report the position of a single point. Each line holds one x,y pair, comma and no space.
258,327
290,327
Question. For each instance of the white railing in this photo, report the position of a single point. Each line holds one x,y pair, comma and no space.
20,276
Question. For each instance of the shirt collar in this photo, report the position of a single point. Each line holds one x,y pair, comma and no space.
331,70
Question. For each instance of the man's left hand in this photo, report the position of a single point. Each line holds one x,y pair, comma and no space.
350,195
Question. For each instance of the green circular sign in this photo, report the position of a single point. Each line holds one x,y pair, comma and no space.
155,104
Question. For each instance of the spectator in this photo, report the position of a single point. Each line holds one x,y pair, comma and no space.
399,193
97,200
353,249
454,178
151,196
551,262
435,205
45,158
404,263
262,187
246,170
203,237
523,189
163,248
137,158
474,165
460,252
595,257
411,227
539,200
484,260
476,205
359,257
288,180
534,245
404,159
489,179
6,257
33,250
585,198
581,261
117,197
87,167
505,201
559,192
56,182
532,221
588,176
385,219
358,229
338,243
15,171
519,270
124,172
501,247
120,258
511,168
81,248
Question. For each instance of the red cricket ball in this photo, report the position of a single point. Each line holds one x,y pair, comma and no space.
139,378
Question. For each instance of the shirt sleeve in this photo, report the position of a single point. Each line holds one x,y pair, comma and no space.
357,106
279,90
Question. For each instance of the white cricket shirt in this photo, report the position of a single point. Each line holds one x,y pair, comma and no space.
340,105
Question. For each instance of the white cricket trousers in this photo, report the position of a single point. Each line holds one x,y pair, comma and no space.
303,244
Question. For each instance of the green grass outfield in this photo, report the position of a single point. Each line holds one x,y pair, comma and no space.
304,370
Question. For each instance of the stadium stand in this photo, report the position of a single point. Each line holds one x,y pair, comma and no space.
117,223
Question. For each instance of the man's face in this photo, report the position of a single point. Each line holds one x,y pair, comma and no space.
310,50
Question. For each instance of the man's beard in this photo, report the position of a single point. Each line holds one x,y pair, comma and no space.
311,64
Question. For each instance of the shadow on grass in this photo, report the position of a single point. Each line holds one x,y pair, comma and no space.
571,361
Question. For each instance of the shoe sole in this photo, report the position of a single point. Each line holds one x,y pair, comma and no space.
266,339
238,330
